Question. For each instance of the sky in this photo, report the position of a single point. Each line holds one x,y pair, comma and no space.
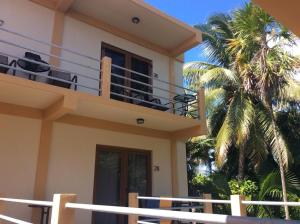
195,12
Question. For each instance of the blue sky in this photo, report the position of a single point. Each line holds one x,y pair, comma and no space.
194,12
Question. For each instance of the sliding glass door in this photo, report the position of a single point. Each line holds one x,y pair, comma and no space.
118,172
138,83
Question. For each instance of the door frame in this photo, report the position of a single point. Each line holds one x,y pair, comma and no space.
128,55
124,168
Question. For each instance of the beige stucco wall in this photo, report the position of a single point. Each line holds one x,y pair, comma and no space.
72,157
19,141
72,161
87,40
181,169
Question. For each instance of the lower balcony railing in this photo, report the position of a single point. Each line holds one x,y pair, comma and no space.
26,57
197,210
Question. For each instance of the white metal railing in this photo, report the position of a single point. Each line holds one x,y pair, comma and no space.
185,200
158,94
13,220
60,215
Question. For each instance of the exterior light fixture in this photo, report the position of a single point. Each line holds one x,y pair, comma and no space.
140,121
135,20
1,22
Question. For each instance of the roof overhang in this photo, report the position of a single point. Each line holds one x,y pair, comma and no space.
286,12
156,30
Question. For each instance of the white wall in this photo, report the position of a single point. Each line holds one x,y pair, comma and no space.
29,19
19,141
72,161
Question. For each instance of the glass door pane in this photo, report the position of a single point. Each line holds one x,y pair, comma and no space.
107,184
138,169
142,67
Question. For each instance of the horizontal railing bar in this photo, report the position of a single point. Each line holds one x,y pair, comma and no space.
272,203
183,107
178,215
49,44
48,77
29,202
129,97
141,91
131,71
145,222
51,66
13,220
142,83
157,79
185,200
186,105
183,207
50,55
150,220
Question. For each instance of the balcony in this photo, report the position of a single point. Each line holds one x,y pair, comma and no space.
76,85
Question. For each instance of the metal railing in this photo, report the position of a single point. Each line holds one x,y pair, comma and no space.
156,94
64,207
159,96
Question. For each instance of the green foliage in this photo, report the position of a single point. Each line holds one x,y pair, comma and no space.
244,187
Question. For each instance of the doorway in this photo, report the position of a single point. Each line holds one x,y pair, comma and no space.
125,82
119,171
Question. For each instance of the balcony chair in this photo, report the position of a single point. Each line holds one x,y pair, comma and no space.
4,61
62,76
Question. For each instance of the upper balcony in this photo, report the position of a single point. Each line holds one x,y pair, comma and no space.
94,90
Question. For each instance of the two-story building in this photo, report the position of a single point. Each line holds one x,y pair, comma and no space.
92,102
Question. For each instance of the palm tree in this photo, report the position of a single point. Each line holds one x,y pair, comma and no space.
225,92
260,41
249,79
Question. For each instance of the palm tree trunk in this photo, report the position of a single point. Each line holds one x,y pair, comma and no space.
284,193
241,171
282,176
268,102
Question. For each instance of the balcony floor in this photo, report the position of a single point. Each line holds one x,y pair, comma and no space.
40,96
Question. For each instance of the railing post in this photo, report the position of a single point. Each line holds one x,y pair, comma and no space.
166,205
106,77
60,214
133,202
2,208
207,206
237,208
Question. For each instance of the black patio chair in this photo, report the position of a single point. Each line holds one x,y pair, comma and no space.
62,79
